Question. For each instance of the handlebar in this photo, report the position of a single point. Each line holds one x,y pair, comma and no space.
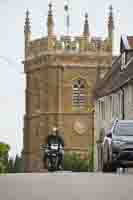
42,146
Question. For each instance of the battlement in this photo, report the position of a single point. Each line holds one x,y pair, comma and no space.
68,44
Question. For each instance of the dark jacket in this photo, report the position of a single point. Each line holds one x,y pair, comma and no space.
54,139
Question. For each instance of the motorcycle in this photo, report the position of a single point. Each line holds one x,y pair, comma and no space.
52,152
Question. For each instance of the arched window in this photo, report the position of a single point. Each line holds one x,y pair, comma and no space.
79,94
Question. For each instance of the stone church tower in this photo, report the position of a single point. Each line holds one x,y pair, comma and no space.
60,75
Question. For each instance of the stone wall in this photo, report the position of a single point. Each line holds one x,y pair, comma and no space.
49,78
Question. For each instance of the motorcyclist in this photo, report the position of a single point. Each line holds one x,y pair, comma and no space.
54,138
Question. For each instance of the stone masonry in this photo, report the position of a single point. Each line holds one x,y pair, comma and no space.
51,66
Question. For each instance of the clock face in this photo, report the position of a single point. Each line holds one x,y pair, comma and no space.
80,126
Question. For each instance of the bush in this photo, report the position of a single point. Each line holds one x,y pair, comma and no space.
4,150
15,166
2,168
91,161
73,162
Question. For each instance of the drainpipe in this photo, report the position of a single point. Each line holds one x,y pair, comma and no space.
123,102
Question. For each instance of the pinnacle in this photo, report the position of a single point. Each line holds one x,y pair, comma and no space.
27,22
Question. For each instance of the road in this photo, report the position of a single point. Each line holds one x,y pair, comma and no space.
66,186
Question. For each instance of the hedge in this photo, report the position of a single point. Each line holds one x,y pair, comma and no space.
73,162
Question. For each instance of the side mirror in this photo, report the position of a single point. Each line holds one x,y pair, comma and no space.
109,135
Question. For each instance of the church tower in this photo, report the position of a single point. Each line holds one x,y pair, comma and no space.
60,75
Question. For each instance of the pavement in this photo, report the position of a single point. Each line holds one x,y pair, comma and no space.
66,186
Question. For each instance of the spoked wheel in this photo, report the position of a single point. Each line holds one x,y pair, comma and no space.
52,164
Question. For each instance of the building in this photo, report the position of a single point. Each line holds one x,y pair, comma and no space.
60,76
114,94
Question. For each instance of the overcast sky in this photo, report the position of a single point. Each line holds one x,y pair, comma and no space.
12,14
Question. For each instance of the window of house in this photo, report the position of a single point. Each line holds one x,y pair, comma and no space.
123,60
79,94
110,106
132,93
103,110
119,103
113,106
99,108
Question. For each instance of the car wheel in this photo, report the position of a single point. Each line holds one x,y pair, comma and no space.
104,165
114,169
111,168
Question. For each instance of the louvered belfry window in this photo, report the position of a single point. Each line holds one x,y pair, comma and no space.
79,94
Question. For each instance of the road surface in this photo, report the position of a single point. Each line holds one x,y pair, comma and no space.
66,186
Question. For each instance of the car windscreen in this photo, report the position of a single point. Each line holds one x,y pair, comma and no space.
124,129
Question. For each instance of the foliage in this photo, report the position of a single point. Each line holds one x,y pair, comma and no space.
73,162
18,164
91,156
2,168
15,166
8,165
11,165
4,150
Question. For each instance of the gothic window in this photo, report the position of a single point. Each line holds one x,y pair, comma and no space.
79,94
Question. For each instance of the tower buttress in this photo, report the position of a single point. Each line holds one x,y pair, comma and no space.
86,26
50,22
110,24
27,31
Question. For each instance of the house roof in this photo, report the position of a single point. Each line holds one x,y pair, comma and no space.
115,78
126,43
130,41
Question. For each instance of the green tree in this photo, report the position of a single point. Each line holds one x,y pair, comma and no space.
18,164
91,160
11,165
4,150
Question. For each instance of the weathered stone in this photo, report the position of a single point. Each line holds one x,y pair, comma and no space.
51,67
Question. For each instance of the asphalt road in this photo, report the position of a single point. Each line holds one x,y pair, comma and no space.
66,186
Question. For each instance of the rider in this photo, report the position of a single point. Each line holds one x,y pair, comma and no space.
54,138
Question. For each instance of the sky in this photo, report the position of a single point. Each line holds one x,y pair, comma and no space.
12,78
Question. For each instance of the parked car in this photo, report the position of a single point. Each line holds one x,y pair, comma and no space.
117,146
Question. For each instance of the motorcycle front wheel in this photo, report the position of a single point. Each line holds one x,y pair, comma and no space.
52,164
